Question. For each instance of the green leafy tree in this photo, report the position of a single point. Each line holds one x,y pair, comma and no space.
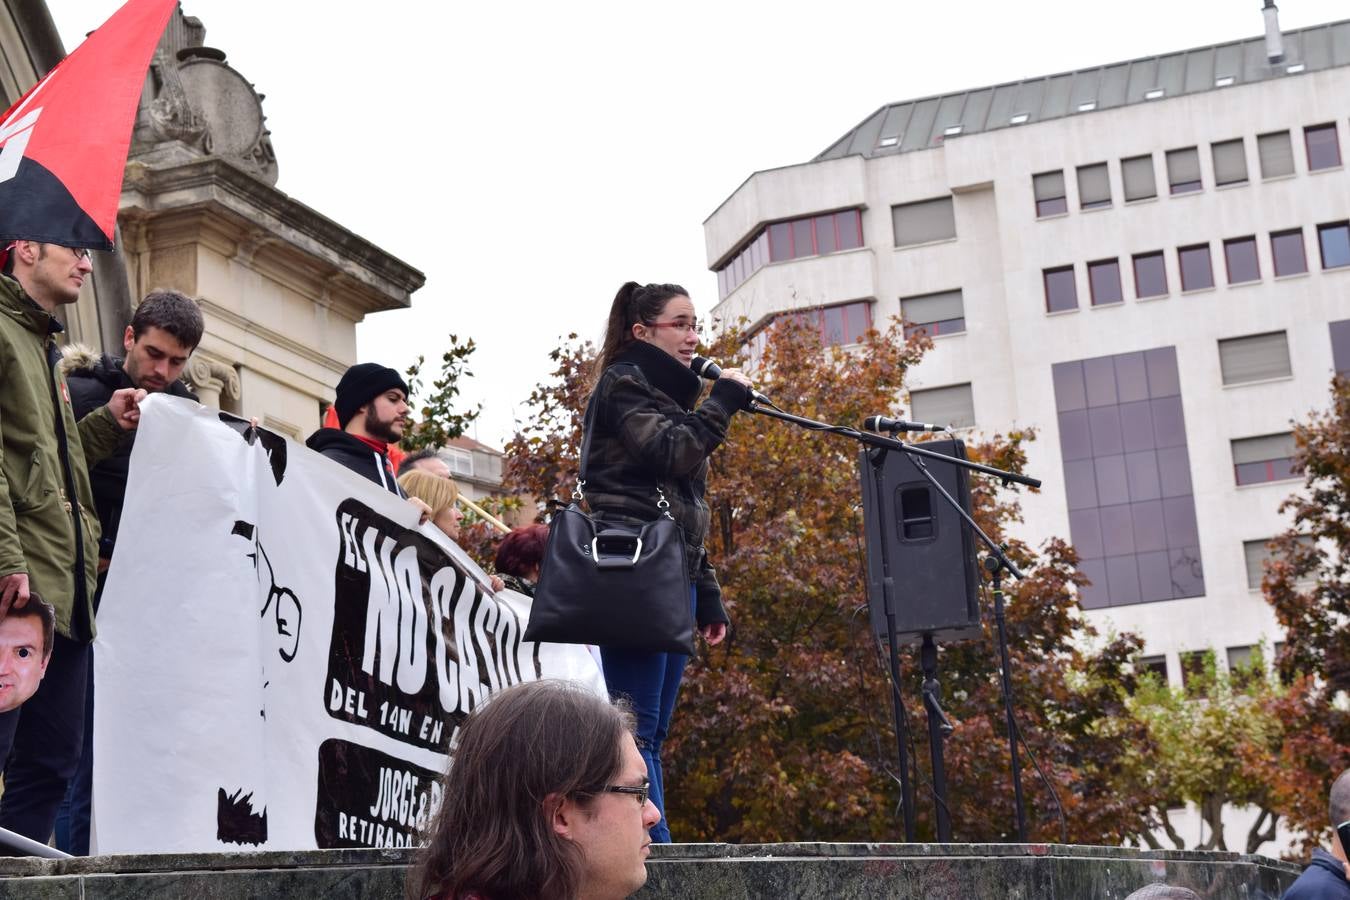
1207,743
438,420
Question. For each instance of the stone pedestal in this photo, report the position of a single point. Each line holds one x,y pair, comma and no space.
687,872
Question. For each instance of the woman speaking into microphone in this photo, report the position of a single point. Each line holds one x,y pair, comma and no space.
646,440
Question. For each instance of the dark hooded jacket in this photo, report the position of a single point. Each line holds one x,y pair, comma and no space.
1324,879
93,378
356,455
643,430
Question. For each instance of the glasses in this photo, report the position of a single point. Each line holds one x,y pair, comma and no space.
681,325
80,252
639,792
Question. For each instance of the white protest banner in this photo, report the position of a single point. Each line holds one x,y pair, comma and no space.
283,655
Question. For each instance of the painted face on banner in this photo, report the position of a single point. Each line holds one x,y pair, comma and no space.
612,832
385,416
154,360
22,664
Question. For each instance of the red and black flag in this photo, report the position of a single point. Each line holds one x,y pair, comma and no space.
63,146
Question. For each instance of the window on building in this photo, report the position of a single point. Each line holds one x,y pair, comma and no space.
808,236
1183,170
1094,187
1049,190
1324,152
1256,357
1257,554
1104,282
845,323
1277,154
1155,665
1197,273
953,406
1230,162
1242,657
1267,458
1286,249
1060,291
1137,174
459,460
1340,345
1334,239
1127,478
1246,666
924,221
1239,255
1194,679
934,314
1150,275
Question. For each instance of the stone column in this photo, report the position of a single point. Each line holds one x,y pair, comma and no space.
212,379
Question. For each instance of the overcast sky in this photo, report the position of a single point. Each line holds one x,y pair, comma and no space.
531,157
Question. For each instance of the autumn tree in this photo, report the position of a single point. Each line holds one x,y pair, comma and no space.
784,731
1307,582
438,420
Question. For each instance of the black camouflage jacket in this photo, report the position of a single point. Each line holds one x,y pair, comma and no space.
643,431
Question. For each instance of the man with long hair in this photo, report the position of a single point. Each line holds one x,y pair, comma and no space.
546,799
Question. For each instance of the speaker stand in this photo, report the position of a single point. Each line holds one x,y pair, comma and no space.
938,729
994,566
877,457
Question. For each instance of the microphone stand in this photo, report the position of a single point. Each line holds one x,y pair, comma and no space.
996,563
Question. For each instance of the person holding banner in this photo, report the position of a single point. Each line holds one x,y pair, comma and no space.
646,432
162,335
519,556
441,496
547,799
48,533
371,406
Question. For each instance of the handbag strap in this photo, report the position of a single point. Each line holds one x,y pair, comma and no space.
588,428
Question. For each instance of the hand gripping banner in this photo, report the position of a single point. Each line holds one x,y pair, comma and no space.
63,146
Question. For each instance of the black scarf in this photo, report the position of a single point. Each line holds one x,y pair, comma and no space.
663,371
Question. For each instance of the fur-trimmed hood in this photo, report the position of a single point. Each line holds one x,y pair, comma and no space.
78,357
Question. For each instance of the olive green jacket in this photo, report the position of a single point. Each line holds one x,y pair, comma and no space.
41,531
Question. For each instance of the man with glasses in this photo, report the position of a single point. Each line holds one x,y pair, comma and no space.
547,797
48,531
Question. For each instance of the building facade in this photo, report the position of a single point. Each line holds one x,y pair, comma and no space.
281,286
1147,262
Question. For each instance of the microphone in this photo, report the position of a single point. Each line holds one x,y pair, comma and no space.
706,368
881,423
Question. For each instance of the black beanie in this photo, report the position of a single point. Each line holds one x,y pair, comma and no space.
362,383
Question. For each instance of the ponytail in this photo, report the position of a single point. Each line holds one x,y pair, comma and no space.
633,303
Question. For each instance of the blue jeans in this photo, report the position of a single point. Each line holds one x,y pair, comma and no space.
651,682
72,819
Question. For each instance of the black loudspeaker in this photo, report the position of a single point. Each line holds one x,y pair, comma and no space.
929,550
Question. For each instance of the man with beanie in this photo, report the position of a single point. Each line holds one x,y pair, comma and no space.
371,403
1325,878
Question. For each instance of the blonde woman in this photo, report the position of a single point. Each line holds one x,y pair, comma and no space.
442,495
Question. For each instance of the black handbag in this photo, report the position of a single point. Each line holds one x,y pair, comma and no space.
613,583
